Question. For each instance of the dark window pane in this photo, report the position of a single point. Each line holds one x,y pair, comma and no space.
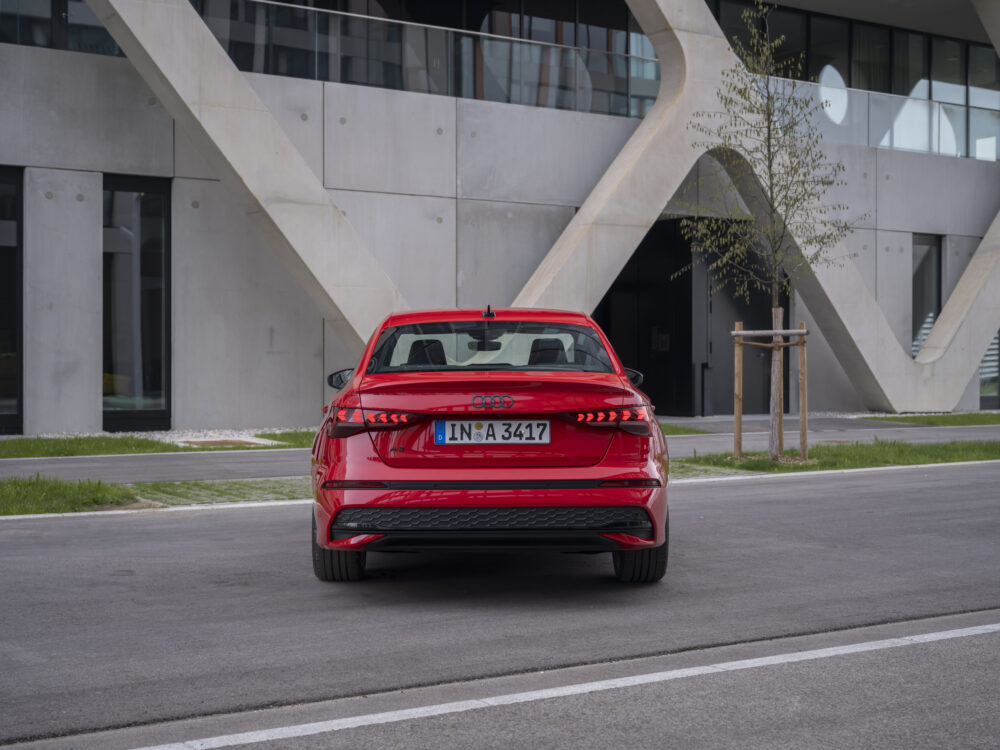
135,296
910,65
989,376
10,301
870,58
505,19
604,26
552,21
731,20
790,55
26,22
85,32
984,77
829,49
926,286
948,71
638,43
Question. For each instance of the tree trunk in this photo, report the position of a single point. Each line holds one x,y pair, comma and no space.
774,439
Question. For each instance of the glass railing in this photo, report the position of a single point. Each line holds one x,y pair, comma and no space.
268,37
867,118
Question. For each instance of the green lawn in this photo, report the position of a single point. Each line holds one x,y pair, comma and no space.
856,456
42,495
224,491
291,439
676,429
970,418
98,445
102,445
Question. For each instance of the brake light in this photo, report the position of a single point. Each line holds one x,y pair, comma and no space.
344,422
632,419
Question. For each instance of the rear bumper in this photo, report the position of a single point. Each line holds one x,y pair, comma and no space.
576,528
585,519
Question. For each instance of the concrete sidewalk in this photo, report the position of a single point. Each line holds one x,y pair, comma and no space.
293,462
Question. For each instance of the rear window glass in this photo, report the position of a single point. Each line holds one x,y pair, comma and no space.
489,345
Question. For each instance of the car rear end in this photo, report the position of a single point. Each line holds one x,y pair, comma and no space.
515,431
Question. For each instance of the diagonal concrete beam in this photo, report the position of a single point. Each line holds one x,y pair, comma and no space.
631,195
175,53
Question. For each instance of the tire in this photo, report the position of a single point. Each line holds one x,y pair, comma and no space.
643,565
335,565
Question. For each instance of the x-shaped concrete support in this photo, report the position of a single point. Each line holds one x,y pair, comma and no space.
182,62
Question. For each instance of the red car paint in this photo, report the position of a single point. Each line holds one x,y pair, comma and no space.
394,461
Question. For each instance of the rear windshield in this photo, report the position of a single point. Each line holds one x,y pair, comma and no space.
489,345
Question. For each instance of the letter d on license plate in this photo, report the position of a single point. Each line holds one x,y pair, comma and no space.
490,431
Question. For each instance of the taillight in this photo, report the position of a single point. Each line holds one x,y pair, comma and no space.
344,422
632,419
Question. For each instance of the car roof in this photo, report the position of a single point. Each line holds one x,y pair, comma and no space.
501,313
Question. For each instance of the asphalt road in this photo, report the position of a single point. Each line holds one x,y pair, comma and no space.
110,621
291,462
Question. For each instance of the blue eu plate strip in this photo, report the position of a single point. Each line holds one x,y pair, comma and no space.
439,438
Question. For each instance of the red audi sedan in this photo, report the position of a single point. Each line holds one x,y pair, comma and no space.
486,429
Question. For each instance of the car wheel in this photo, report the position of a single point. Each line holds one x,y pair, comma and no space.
641,566
335,565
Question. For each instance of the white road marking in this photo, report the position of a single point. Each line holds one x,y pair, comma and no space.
420,712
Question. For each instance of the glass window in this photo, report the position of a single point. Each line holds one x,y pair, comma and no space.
984,134
136,306
10,301
504,19
870,58
829,49
910,68
948,71
984,77
489,345
26,22
604,26
926,286
989,376
731,20
552,21
638,43
790,55
85,33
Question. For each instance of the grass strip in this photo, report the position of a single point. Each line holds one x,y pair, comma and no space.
94,445
43,495
224,491
856,456
676,429
945,420
290,438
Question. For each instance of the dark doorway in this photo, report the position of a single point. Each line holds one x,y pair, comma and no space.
136,382
647,316
10,301
677,334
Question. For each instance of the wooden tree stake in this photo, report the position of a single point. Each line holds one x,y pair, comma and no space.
738,394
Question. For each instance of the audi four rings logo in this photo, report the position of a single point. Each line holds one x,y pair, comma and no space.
489,401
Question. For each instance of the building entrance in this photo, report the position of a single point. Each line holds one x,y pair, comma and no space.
677,334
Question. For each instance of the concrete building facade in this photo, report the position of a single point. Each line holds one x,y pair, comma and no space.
191,244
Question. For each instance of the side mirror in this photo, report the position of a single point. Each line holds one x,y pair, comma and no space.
634,376
338,379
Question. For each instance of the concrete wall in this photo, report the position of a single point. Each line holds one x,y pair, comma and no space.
62,301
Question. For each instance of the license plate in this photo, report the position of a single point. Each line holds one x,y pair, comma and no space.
494,431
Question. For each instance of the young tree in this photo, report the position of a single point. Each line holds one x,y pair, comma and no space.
766,137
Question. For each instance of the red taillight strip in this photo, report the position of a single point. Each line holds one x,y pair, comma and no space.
344,422
632,419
